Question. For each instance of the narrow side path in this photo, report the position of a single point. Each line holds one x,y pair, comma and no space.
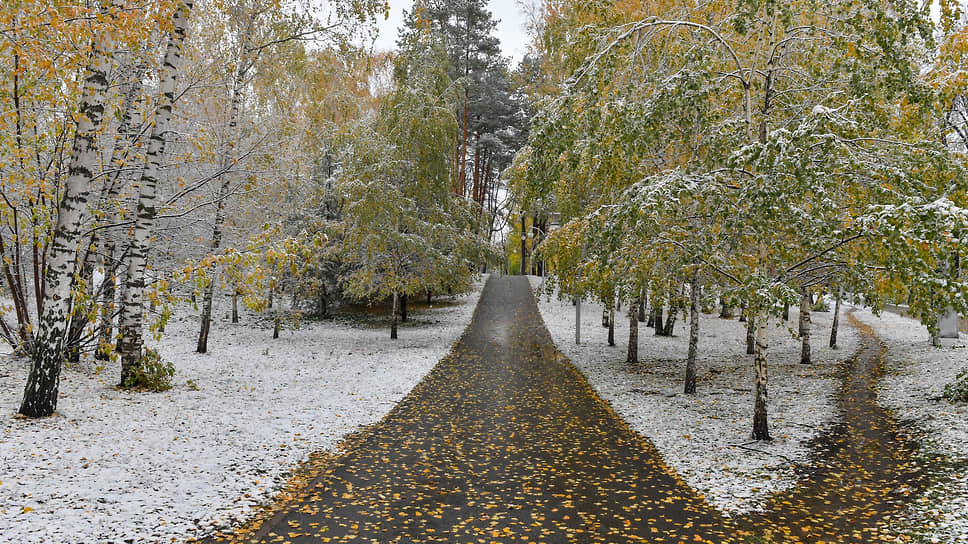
863,475
503,441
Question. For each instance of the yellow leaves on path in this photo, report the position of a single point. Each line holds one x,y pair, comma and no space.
504,441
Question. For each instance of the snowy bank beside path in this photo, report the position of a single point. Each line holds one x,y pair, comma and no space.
912,388
705,437
114,466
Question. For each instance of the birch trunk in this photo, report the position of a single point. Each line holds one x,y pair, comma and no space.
40,392
690,386
805,326
836,324
226,162
633,351
611,326
578,320
761,429
658,321
393,313
235,305
670,324
524,249
208,298
132,307
124,175
751,334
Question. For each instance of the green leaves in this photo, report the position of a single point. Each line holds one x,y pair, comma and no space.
404,230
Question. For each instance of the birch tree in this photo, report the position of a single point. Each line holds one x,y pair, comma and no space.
130,326
40,393
256,27
805,156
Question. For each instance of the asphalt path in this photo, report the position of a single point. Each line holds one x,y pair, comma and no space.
504,441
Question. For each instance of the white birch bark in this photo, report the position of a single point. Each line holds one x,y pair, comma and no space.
805,326
132,312
124,174
693,354
761,428
633,347
40,393
836,324
225,187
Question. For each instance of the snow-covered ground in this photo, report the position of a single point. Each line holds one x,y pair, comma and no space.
913,387
705,437
115,466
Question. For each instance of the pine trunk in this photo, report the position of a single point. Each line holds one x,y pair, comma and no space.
476,182
40,393
393,319
805,326
761,428
132,307
462,177
633,348
694,310
836,324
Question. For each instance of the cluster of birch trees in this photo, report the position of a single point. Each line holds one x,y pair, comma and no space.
757,152
128,129
156,151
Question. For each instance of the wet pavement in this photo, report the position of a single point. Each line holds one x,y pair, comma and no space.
504,441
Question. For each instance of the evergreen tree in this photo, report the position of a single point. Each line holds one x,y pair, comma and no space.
491,119
404,232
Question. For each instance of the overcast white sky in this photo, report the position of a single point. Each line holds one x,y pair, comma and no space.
510,28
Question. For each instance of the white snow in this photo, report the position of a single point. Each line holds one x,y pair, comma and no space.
705,437
113,466
915,377
162,467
